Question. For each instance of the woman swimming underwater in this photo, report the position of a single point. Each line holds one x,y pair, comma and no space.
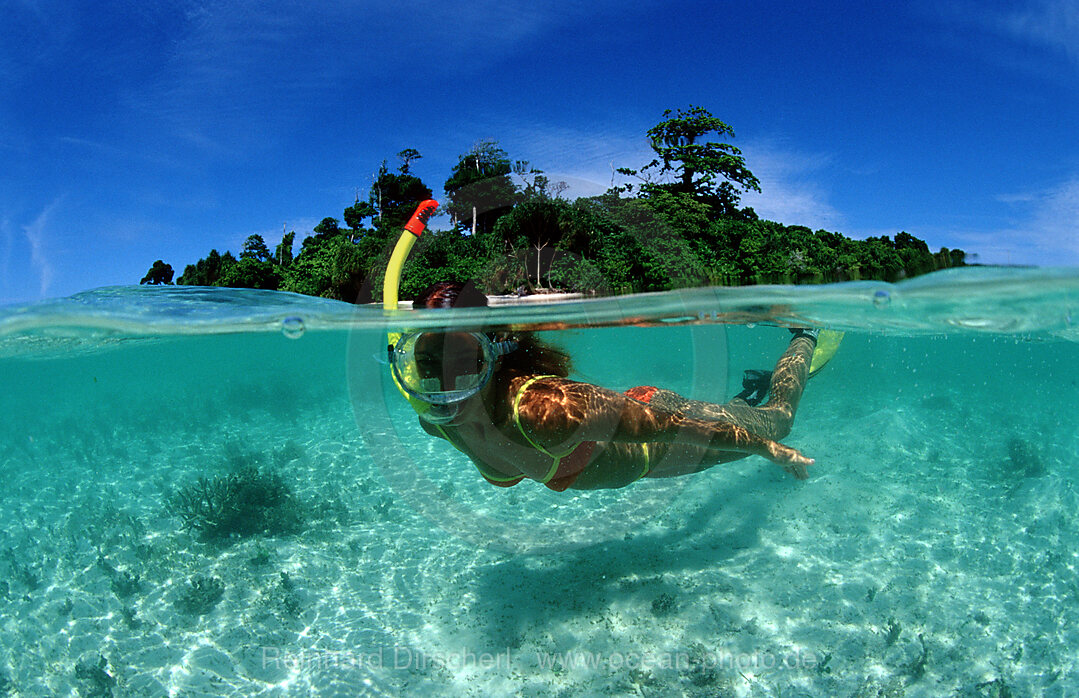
506,402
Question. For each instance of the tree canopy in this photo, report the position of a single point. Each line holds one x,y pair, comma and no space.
480,189
512,231
160,273
711,172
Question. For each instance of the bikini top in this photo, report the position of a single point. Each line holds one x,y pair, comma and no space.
570,462
563,464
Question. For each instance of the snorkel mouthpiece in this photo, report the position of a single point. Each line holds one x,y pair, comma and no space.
440,414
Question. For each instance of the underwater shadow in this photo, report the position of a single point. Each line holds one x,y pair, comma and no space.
528,594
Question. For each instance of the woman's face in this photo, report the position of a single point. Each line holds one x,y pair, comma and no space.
454,359
451,361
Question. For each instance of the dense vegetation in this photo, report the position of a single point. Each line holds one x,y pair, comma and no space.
677,224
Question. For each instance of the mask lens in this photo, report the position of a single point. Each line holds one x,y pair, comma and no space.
442,367
468,381
456,360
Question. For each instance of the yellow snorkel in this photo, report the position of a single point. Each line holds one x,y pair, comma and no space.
413,229
392,283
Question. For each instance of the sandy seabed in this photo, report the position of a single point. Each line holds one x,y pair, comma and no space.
932,552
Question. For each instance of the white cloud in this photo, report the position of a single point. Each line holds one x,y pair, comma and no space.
583,160
1045,231
289,54
1049,25
1053,24
35,235
789,190
586,162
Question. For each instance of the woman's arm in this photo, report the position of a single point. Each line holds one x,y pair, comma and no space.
557,412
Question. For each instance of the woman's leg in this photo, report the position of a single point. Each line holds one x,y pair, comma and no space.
773,419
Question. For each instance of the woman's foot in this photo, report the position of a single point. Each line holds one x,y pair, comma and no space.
756,386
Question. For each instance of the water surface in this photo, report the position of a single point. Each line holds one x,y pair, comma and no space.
932,551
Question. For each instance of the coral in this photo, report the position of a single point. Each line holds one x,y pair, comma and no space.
384,507
201,595
997,688
286,596
261,557
130,616
125,584
244,503
95,680
29,575
879,688
916,668
703,670
1023,460
122,582
894,629
664,605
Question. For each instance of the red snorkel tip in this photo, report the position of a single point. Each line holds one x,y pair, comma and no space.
419,219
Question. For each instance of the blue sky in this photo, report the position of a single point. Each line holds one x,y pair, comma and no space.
133,131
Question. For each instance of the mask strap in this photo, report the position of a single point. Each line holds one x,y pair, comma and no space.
504,347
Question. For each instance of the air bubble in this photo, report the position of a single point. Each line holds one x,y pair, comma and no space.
881,298
292,327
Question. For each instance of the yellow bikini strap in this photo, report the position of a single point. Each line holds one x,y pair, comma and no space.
517,412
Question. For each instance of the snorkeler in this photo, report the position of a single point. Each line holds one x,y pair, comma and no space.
507,403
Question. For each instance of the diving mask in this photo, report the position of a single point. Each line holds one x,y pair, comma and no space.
444,368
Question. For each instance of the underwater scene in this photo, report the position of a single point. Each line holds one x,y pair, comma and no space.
216,492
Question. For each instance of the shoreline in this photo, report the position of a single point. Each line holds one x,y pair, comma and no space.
534,299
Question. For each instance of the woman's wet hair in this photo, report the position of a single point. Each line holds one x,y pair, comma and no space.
533,356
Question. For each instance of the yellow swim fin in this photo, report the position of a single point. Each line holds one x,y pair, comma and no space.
827,345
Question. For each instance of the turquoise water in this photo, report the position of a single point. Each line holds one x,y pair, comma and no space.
932,551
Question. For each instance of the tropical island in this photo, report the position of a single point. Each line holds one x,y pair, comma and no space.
678,223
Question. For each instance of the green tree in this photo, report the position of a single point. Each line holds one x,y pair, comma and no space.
441,255
254,247
407,156
357,213
330,264
283,252
658,257
712,172
536,185
160,273
327,229
249,272
529,233
206,271
394,196
480,190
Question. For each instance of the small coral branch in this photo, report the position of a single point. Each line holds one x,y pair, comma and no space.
245,503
